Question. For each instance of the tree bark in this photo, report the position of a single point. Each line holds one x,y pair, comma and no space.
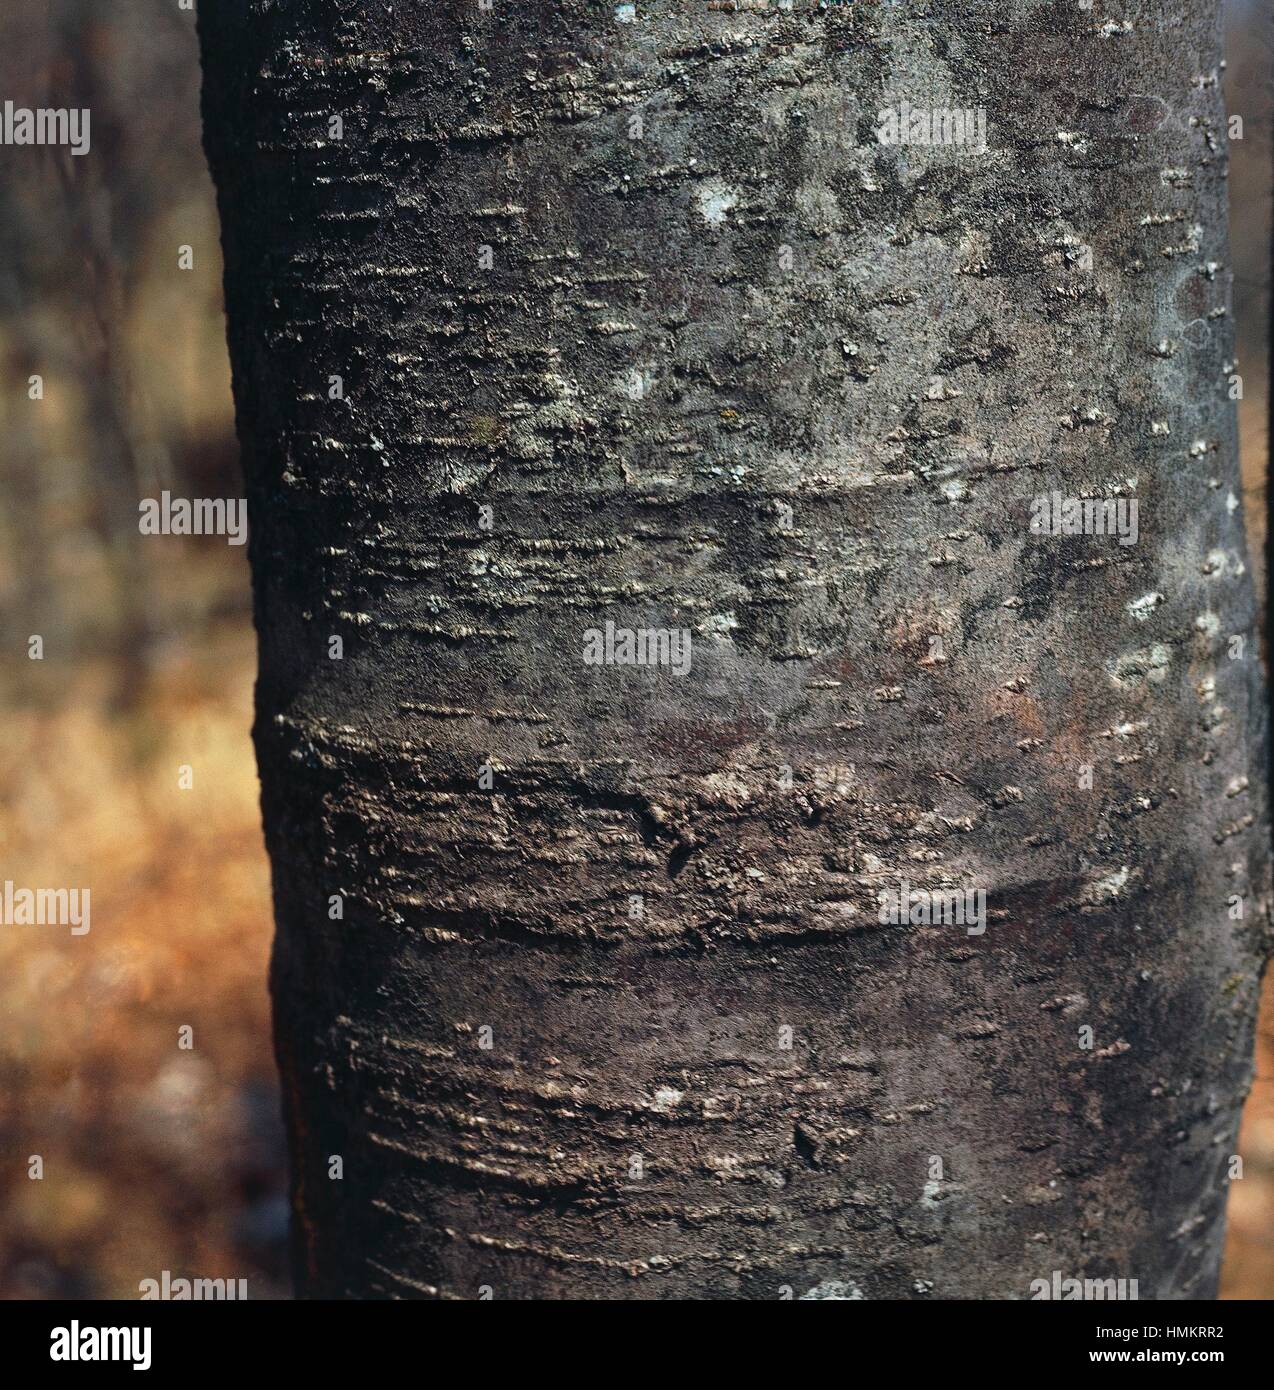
608,1010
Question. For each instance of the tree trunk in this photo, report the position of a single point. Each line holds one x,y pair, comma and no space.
650,317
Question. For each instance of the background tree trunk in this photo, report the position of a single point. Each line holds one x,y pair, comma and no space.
624,1023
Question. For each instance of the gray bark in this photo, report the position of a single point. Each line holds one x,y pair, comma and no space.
745,370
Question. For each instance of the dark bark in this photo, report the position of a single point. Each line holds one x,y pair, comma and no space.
904,347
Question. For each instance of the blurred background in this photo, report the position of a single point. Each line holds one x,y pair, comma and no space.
157,1157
